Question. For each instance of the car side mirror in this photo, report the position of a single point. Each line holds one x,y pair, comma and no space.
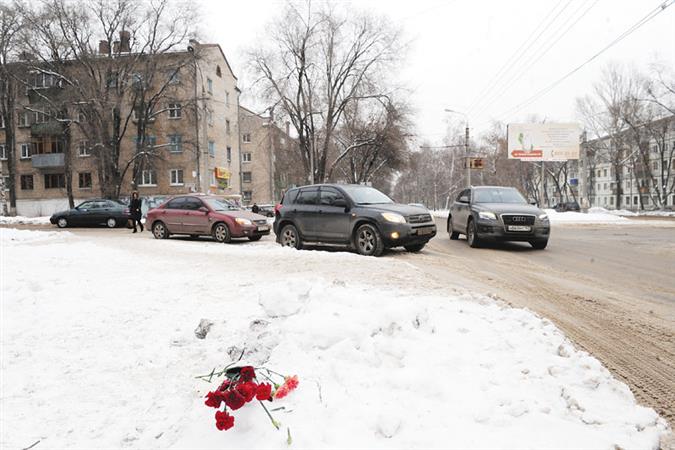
533,202
464,199
203,209
340,203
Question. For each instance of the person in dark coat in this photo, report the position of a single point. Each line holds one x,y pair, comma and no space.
135,210
255,208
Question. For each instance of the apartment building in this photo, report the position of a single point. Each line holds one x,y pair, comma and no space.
269,162
192,134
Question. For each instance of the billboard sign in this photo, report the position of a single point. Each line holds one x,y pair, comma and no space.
543,141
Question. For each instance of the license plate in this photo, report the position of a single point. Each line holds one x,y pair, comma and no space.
518,228
264,228
423,231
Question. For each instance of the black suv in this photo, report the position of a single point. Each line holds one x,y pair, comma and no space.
497,213
355,216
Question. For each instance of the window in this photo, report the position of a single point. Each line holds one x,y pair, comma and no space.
246,177
246,137
41,117
137,80
25,151
55,180
245,157
604,173
112,80
26,182
219,74
635,200
175,143
23,119
209,85
192,203
209,117
212,149
84,180
655,165
5,180
329,196
43,80
227,126
3,151
176,177
611,200
599,173
627,201
174,111
227,98
176,203
150,141
229,154
212,181
247,196
173,76
83,148
148,178
307,197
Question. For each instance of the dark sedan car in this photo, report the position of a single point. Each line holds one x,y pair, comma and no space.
355,216
499,214
97,211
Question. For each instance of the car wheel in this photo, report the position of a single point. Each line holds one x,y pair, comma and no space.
62,222
111,222
254,238
539,245
221,233
290,237
369,241
414,248
159,230
472,235
453,234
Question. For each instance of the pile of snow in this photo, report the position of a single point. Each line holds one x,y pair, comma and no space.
98,350
12,236
440,213
626,213
21,220
578,217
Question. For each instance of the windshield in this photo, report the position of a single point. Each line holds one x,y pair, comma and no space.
364,195
497,195
220,205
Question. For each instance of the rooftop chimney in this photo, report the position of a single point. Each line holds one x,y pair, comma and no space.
125,41
103,47
116,47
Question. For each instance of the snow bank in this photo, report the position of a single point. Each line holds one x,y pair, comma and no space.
12,236
21,220
626,213
590,217
98,350
440,213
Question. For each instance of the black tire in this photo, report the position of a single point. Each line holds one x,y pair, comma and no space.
254,238
221,233
539,245
453,234
415,247
111,222
290,237
472,234
368,240
159,230
62,222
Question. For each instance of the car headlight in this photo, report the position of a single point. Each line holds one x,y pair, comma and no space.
487,215
242,221
543,216
393,217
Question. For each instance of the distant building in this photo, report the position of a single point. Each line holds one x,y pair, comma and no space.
270,163
195,133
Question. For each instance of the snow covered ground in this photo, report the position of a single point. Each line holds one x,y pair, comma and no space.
626,213
21,220
99,351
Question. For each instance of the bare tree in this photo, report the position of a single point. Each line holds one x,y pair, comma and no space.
318,62
11,24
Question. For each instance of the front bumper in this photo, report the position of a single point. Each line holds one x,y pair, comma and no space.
494,230
251,230
399,234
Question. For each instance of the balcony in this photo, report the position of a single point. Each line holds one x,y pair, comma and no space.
48,160
51,128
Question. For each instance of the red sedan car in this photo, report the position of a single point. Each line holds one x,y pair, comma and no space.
203,215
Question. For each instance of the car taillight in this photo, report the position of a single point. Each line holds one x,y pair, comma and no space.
277,207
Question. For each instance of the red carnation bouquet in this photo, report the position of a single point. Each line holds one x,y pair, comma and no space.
243,384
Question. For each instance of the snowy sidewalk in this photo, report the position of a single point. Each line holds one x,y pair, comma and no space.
98,350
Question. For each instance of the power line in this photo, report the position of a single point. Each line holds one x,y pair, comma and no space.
552,40
653,13
520,52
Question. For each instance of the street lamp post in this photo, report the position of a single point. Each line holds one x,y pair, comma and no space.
467,160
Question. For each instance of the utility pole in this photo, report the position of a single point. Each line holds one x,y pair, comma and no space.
270,131
468,159
541,191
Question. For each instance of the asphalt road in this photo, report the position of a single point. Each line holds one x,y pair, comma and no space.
611,289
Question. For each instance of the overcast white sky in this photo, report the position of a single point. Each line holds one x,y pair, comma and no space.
458,47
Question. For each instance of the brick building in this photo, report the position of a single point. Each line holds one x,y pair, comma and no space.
193,135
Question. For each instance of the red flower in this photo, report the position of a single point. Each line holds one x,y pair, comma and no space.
233,399
224,385
213,399
224,421
290,383
246,373
247,390
264,392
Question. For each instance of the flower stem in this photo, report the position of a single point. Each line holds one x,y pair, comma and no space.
274,422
